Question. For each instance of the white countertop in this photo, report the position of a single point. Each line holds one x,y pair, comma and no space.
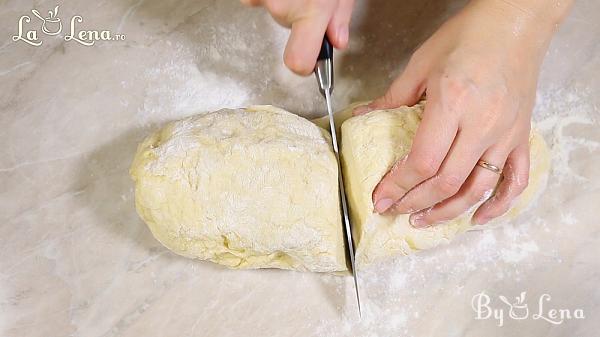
75,259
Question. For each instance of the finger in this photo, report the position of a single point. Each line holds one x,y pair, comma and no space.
478,187
430,145
406,89
306,37
338,29
516,178
454,171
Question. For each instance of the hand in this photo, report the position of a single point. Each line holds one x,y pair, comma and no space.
479,71
309,20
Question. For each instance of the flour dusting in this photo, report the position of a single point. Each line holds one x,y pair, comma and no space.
178,88
556,111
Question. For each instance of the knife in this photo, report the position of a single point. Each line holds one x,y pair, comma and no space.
324,74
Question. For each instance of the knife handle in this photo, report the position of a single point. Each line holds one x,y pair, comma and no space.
326,50
324,67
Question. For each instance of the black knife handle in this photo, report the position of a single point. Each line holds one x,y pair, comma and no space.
326,50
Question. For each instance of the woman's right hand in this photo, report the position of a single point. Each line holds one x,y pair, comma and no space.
309,20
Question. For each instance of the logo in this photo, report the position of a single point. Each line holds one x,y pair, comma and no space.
519,309
29,32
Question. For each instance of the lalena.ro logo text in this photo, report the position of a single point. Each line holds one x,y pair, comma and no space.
30,26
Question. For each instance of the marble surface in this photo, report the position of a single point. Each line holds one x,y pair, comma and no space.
75,259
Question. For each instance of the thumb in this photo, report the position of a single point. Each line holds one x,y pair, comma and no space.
338,28
304,43
406,89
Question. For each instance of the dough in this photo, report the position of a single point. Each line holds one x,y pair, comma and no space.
257,188
370,145
246,188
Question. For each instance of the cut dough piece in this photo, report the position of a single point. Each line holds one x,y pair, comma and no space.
370,145
246,188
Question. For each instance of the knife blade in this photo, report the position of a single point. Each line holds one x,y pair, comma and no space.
324,74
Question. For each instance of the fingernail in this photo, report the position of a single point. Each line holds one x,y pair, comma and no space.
383,205
343,35
416,220
481,220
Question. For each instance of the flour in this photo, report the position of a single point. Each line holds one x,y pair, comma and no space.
567,218
178,88
557,110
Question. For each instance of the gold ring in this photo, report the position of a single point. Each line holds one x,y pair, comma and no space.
489,166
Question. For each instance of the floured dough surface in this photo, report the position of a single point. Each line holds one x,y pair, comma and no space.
370,145
257,188
246,188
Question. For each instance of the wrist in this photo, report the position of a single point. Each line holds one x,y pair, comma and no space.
548,12
534,16
526,24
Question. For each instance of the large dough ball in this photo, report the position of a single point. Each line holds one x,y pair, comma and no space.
370,145
246,188
257,188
